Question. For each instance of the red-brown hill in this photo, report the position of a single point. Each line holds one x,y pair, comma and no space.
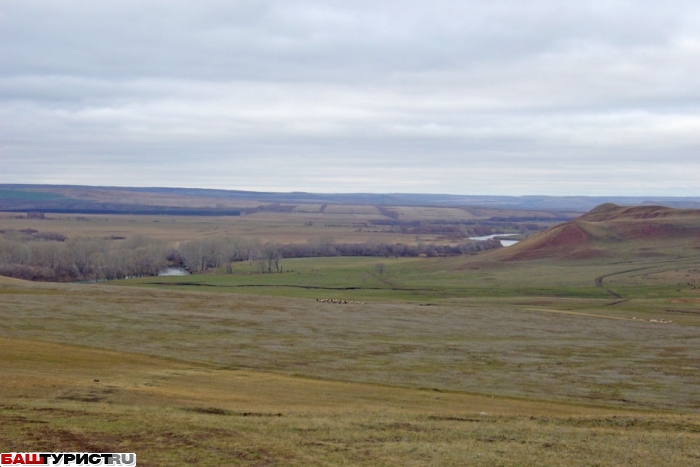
608,230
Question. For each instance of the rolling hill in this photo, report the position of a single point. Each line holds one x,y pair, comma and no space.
613,231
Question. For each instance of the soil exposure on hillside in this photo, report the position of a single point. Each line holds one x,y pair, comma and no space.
594,233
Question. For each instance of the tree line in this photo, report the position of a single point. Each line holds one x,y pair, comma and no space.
53,257
81,259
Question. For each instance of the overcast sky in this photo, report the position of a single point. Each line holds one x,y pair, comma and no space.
466,97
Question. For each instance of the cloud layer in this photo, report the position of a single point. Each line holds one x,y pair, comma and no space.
465,97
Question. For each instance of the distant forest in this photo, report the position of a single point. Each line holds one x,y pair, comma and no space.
58,198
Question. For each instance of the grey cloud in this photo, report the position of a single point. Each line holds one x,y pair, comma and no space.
550,96
223,40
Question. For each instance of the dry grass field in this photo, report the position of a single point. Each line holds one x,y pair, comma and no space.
558,348
344,227
474,360
60,397
304,223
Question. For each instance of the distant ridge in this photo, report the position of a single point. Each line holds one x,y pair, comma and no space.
26,196
610,230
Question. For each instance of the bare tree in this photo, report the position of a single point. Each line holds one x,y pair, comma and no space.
191,253
270,258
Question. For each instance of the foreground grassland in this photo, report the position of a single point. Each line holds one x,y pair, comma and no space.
575,348
60,397
437,361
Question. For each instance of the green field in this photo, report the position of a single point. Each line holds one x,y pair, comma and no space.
445,279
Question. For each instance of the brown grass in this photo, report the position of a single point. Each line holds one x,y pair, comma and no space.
171,413
573,350
263,226
342,223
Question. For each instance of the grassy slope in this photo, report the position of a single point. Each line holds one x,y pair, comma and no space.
172,413
537,346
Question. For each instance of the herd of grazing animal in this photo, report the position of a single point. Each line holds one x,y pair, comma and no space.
662,321
335,300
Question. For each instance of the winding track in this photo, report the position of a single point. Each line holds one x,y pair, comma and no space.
599,280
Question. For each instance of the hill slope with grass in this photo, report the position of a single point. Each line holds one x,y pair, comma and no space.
612,231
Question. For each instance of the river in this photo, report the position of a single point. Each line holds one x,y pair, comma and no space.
503,242
173,272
